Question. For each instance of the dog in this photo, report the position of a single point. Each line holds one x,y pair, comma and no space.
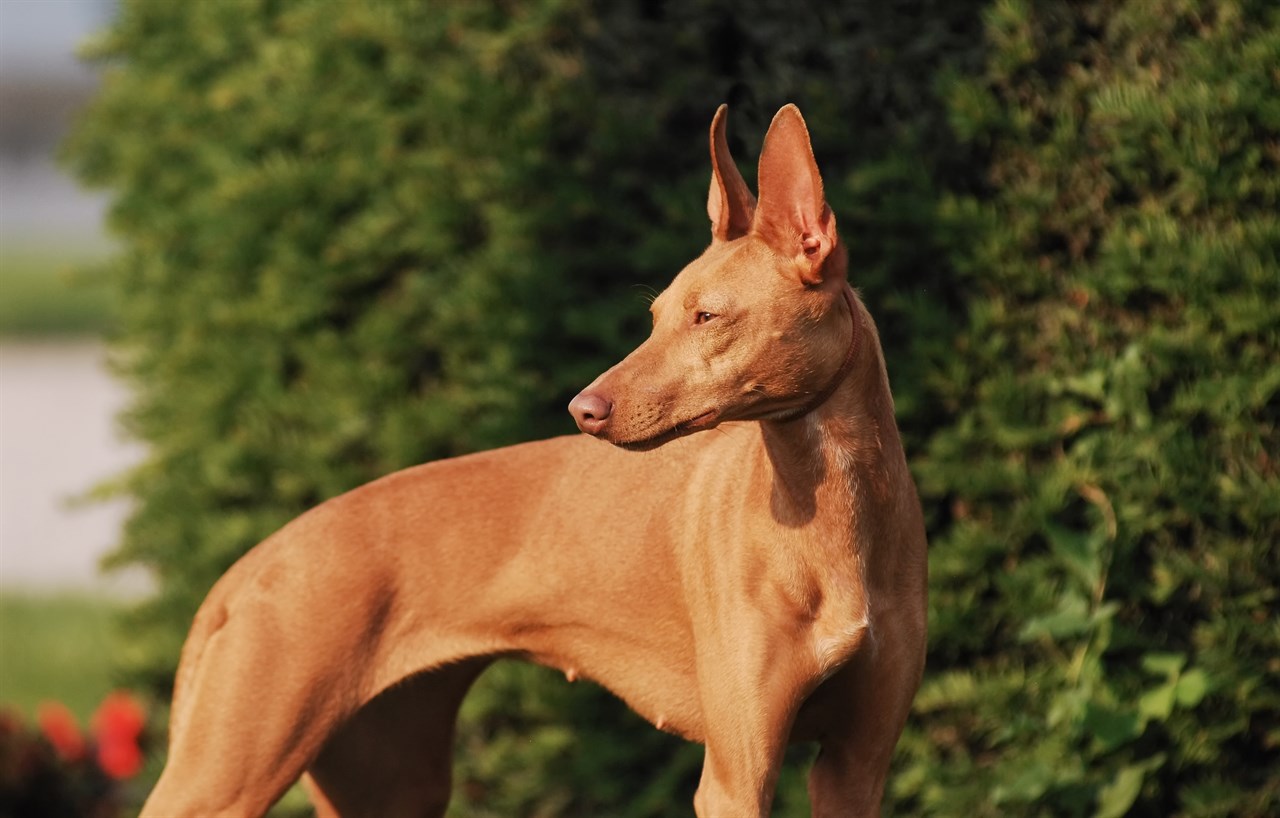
745,588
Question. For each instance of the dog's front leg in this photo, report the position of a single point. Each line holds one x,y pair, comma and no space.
862,710
750,692
738,781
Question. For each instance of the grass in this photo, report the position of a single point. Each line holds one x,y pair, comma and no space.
55,647
47,291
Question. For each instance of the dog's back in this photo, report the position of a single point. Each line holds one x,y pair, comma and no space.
751,573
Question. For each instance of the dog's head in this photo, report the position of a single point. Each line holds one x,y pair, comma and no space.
754,328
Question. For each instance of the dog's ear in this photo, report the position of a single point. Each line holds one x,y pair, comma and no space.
793,216
729,203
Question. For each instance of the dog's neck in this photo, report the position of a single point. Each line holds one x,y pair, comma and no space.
833,459
846,365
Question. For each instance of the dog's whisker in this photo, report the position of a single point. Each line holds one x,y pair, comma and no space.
647,294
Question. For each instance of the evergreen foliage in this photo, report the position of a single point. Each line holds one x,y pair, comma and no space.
359,236
1105,500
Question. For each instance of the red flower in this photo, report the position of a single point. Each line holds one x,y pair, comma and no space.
60,728
117,726
120,759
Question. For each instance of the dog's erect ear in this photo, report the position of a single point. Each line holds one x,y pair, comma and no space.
793,215
729,203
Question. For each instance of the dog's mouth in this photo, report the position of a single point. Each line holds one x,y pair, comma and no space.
685,427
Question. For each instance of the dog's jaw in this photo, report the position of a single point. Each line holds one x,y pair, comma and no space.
707,420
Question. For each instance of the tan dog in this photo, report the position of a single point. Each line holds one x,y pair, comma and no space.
758,585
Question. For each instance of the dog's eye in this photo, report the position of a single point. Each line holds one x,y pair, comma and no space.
703,317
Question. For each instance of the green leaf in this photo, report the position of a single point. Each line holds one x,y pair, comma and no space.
1112,728
1157,703
1078,550
1090,385
1026,784
1164,664
1115,798
1070,619
1191,687
947,690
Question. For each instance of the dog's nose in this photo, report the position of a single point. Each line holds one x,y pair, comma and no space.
591,412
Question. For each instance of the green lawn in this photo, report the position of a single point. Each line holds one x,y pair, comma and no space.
55,647
48,291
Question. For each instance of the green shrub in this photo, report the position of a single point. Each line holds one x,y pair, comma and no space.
358,236
1105,503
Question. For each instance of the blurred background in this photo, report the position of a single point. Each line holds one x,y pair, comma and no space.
58,405
55,387
325,240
